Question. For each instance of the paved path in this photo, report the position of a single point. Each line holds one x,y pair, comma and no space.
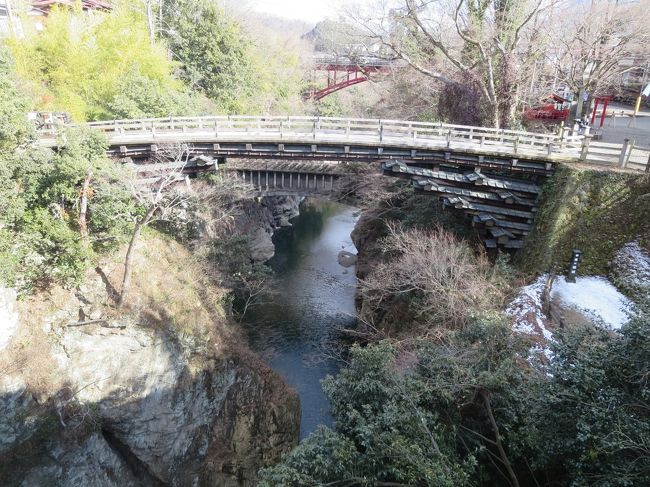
618,128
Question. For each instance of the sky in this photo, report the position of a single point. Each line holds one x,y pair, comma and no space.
308,10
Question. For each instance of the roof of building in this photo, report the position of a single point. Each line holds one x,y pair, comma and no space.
45,5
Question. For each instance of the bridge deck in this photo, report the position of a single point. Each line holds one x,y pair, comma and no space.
379,134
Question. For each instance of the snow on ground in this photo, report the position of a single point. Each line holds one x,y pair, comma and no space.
596,297
526,311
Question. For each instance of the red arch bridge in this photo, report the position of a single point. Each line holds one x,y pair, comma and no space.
344,71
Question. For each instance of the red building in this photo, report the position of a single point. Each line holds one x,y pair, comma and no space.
553,107
44,6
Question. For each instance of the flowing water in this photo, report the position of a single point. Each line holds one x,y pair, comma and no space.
296,329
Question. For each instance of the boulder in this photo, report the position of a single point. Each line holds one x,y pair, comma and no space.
346,259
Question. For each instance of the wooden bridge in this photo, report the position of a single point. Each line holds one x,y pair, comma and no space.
361,139
492,176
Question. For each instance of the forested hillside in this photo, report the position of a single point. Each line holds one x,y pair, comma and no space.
185,58
97,65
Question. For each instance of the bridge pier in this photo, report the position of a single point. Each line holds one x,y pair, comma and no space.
270,180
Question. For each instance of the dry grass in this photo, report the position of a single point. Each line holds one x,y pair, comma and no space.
171,293
29,353
171,287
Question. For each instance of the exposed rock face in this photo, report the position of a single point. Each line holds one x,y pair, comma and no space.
261,218
17,421
283,208
261,244
366,236
141,404
90,461
8,316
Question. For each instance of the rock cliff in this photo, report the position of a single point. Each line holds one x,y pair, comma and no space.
162,392
261,217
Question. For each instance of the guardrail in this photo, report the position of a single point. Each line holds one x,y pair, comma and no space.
566,147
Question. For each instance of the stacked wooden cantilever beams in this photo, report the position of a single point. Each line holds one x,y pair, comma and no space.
501,208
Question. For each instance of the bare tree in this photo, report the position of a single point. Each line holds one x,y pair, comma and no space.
252,285
485,44
449,281
489,55
159,197
590,41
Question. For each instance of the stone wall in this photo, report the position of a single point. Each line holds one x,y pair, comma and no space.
597,212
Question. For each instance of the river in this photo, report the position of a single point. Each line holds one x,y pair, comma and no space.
296,329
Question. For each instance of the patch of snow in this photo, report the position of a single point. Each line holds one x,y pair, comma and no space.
8,316
596,297
528,318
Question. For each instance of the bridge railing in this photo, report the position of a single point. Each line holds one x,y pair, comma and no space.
408,134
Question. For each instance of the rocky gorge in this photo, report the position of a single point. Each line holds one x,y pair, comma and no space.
161,392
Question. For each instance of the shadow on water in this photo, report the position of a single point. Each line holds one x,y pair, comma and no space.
297,328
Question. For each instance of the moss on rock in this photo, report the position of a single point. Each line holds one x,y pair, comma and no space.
594,211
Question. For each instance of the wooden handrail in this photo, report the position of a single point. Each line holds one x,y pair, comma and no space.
413,134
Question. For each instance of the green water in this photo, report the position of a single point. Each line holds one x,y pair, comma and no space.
297,329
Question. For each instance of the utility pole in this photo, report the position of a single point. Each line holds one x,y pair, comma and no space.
10,17
637,106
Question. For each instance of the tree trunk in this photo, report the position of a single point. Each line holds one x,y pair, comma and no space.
10,17
128,261
150,23
496,116
579,104
83,206
497,439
